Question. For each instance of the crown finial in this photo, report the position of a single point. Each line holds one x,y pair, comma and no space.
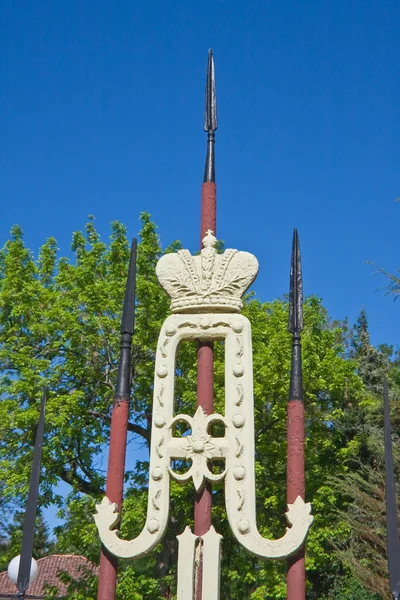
210,282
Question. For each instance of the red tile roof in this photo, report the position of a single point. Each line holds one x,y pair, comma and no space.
49,569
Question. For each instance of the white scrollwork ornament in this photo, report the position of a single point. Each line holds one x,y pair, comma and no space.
209,287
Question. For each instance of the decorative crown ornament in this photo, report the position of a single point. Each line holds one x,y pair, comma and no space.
210,282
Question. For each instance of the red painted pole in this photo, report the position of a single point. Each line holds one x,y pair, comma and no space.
295,476
208,209
119,429
205,385
205,367
114,491
203,499
205,351
296,574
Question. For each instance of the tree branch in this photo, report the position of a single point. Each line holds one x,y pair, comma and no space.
138,429
70,477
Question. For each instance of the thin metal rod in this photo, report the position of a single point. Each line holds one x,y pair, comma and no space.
295,478
31,507
119,427
205,351
392,526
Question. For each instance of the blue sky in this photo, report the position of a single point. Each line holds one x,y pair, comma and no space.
102,108
101,111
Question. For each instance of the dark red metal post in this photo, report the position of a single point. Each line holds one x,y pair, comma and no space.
208,209
205,352
205,389
296,575
114,491
119,429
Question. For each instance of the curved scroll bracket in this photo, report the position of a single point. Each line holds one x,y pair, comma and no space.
236,447
107,517
298,516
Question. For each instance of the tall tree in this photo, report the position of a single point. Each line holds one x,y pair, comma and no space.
362,545
372,361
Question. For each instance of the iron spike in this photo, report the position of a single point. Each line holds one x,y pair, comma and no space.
295,325
210,112
123,383
128,311
392,526
31,507
210,119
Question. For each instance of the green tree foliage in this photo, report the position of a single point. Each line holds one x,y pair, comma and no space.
371,361
59,327
347,587
362,548
392,287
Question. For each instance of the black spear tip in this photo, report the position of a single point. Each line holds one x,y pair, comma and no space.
128,312
295,325
210,120
210,111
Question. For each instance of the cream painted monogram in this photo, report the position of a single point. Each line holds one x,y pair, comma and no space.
206,295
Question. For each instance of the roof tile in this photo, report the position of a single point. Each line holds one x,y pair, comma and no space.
49,570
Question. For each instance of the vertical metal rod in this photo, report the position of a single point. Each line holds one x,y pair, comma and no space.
31,507
392,526
295,478
119,427
205,352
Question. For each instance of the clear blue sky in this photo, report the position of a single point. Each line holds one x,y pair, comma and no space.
101,108
101,112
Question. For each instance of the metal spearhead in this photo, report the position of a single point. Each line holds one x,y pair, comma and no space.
210,120
30,513
210,112
392,527
295,325
128,311
123,382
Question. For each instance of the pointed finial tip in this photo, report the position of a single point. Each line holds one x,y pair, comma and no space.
128,310
296,243
210,112
296,288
